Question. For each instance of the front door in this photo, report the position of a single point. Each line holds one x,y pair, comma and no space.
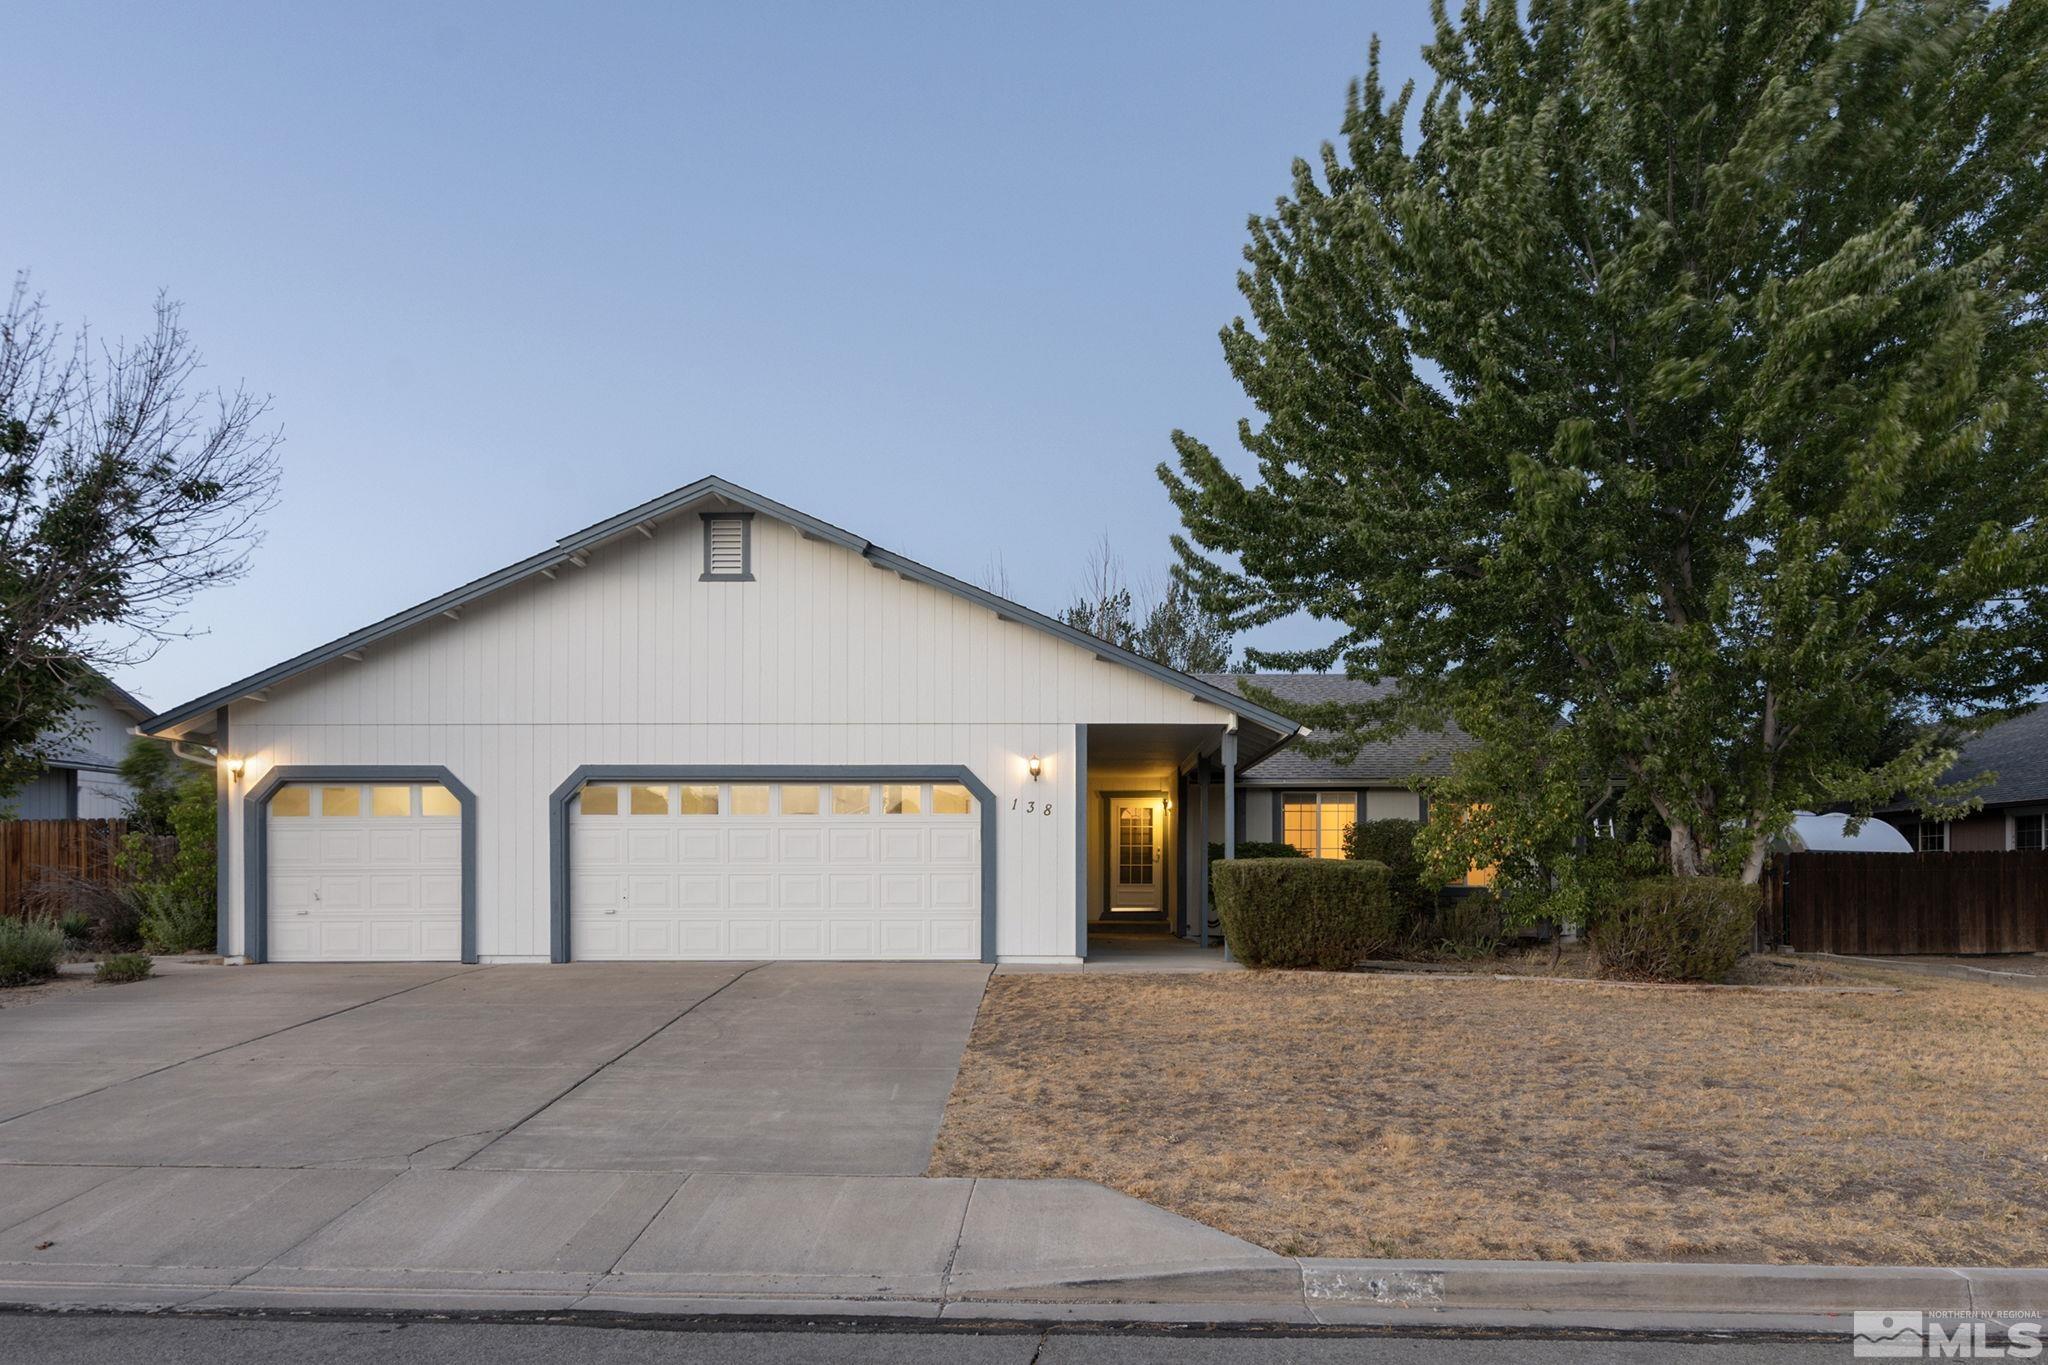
1136,853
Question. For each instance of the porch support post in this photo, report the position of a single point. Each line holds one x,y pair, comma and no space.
1201,905
1229,809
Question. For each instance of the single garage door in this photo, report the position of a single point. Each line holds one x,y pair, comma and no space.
365,873
774,870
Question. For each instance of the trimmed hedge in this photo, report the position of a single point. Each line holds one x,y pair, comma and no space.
1247,850
1392,842
1674,929
1305,912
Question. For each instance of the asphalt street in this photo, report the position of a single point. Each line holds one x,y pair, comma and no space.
144,1339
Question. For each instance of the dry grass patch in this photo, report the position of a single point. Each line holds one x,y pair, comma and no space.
1349,1115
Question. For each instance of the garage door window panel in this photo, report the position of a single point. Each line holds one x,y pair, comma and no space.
390,802
292,803
341,802
820,869
437,801
598,800
650,800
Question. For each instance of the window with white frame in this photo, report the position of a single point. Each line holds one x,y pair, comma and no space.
2030,831
1314,822
1928,836
728,547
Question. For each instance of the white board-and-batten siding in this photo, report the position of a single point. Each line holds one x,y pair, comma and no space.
821,659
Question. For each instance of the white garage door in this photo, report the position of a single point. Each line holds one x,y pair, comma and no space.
774,870
364,873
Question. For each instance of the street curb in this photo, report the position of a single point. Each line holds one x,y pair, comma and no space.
1317,1291
1588,1286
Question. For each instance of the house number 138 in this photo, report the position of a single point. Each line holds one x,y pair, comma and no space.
1032,807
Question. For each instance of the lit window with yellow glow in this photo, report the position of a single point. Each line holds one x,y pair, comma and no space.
1314,822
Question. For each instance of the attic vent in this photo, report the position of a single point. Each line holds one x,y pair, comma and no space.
728,551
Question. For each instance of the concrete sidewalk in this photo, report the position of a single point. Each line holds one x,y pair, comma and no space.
490,1241
616,1240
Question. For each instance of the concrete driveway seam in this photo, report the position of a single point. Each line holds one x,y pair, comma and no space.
339,1215
636,1238
605,1065
959,1234
242,1042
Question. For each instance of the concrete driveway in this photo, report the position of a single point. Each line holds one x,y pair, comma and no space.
783,1068
619,1138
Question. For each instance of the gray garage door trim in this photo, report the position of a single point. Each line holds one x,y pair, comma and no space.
256,841
560,949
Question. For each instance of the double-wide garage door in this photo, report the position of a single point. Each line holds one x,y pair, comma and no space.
364,873
665,870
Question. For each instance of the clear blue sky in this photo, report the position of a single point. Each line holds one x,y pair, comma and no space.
944,274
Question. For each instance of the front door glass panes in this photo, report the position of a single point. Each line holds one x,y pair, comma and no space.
1134,846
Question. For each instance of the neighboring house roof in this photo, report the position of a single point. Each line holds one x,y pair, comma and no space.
196,716
81,752
2016,750
1390,762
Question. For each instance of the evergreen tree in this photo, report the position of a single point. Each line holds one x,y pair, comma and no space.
1179,634
1672,411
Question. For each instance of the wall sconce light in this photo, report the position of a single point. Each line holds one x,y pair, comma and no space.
1169,803
1034,765
234,767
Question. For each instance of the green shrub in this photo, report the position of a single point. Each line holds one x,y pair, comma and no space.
29,950
124,967
171,921
76,926
1392,842
1462,927
1674,929
1245,852
1305,912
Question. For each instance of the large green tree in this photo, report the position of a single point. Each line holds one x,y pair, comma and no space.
1672,409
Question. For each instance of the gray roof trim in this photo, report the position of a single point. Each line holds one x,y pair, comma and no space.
688,495
123,700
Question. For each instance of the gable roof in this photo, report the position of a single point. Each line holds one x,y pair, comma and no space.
1390,762
196,716
2017,750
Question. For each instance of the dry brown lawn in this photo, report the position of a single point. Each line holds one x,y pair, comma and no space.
1354,1115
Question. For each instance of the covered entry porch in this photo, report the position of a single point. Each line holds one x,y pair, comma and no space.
1157,797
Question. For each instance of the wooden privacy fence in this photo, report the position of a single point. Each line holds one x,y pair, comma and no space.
1890,903
84,848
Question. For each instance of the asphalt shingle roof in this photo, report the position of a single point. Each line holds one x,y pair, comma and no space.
2015,749
1418,753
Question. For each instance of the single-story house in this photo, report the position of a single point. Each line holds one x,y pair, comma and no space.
82,779
1289,796
2015,810
714,726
